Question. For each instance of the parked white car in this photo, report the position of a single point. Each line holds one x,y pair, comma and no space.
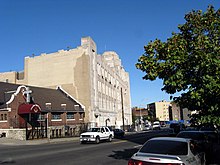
169,151
147,127
96,135
156,125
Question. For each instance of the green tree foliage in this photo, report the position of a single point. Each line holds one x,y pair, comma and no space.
189,62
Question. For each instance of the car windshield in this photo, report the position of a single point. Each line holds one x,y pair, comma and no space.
165,147
110,128
192,135
94,130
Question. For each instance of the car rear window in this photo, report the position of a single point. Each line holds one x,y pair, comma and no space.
165,147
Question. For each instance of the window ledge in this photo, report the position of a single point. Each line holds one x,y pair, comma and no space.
56,120
70,119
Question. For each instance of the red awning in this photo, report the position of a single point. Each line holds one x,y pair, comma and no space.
28,108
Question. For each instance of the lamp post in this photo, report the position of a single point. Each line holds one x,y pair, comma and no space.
140,117
122,108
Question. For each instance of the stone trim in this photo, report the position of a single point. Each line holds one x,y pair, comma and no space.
15,94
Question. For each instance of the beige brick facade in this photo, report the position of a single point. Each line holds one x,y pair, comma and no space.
161,110
12,77
97,81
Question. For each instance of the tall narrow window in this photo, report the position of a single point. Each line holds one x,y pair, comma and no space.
5,116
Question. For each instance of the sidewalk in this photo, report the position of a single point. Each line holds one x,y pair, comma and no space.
16,142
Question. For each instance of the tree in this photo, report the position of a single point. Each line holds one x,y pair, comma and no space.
189,62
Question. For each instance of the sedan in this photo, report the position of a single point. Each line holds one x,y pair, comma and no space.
168,151
119,133
212,133
177,127
200,138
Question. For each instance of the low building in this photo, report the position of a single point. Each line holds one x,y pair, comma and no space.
28,112
139,112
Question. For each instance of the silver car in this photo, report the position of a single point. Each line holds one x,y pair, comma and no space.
168,151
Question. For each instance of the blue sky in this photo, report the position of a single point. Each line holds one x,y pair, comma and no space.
124,26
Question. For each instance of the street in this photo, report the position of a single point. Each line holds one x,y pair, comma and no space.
68,153
116,152
65,153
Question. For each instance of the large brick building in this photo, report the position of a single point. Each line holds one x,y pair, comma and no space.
28,112
97,81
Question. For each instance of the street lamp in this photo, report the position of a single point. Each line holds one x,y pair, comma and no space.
122,107
140,117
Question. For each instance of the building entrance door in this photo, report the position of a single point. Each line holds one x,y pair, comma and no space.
35,128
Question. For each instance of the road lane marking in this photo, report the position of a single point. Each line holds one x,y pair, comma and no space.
121,141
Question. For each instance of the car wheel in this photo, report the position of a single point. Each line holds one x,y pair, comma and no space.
83,142
110,138
97,140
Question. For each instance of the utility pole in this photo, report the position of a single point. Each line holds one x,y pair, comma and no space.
122,108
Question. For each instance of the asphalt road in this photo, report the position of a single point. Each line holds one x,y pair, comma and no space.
116,152
106,153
